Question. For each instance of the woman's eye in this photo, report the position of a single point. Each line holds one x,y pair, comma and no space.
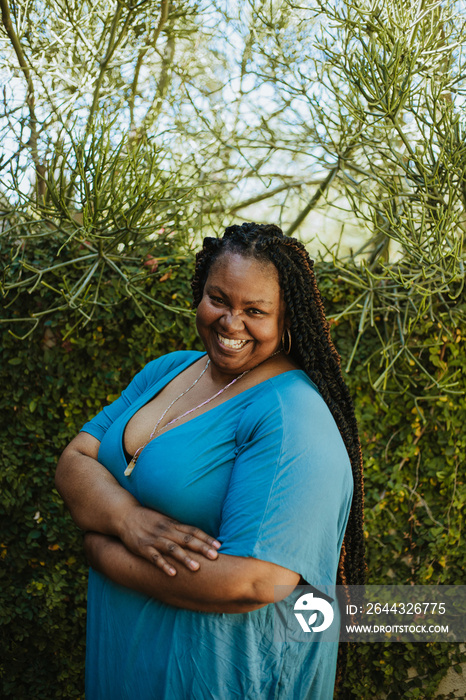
217,300
255,312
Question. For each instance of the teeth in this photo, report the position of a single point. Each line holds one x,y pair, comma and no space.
236,344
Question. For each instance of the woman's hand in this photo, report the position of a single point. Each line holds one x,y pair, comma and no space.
152,535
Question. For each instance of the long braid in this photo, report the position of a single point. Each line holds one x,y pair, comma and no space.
312,349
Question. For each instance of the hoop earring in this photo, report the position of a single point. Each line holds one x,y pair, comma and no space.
286,350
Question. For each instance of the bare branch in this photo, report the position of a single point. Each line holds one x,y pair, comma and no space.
260,197
30,99
134,87
323,187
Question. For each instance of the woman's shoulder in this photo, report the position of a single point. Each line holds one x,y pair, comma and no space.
156,369
296,379
290,400
294,387
172,360
290,411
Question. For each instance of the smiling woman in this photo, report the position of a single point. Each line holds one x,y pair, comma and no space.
215,478
241,316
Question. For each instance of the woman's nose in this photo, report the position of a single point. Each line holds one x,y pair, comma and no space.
232,321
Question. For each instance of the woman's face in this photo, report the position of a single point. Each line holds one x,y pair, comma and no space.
241,316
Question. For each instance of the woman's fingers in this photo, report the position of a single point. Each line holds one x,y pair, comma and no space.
162,563
198,541
188,537
170,548
154,536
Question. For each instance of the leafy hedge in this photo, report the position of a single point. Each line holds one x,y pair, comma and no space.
414,448
413,442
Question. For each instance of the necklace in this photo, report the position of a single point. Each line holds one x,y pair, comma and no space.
129,469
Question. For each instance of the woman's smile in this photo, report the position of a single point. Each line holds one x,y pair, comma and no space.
232,343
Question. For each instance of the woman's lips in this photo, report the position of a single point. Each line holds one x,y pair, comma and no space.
231,344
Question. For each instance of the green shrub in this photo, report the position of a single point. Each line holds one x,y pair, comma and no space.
413,443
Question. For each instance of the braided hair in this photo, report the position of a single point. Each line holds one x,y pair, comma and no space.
311,348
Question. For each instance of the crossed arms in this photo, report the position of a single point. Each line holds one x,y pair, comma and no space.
145,550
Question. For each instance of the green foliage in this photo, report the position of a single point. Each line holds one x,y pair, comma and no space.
106,212
414,447
55,381
413,442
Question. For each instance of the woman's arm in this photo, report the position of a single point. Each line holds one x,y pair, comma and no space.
228,585
97,502
93,496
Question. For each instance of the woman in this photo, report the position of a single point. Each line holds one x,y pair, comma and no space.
215,478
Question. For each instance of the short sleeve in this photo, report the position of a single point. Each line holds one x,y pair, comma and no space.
291,486
148,376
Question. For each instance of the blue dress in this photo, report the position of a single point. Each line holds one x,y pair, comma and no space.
267,474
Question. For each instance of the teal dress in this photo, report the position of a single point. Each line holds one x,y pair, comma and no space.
267,474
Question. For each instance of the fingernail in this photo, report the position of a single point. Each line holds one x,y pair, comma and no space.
171,571
212,553
216,544
194,564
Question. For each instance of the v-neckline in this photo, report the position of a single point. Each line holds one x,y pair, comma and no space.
125,452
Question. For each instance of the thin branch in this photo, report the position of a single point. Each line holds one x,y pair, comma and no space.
317,195
258,198
112,43
30,99
164,79
162,20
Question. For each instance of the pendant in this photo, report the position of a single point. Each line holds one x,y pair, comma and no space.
130,467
